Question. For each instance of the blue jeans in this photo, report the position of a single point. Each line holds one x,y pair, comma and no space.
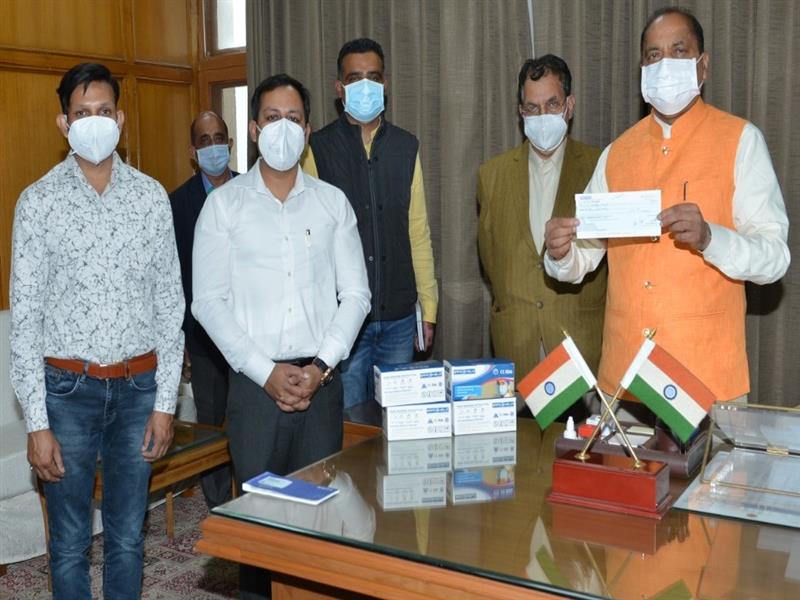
390,342
106,416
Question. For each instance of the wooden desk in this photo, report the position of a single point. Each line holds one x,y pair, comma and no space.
306,567
517,547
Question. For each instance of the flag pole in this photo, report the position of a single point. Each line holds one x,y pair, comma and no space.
584,454
636,462
609,411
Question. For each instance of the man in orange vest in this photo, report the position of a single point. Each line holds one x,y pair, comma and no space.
723,220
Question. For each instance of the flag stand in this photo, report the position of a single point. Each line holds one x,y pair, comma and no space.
621,484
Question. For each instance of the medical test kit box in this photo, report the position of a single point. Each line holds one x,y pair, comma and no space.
479,379
418,456
484,416
482,394
411,490
485,450
409,383
417,421
487,484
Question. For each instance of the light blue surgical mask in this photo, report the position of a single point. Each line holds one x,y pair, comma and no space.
363,100
213,160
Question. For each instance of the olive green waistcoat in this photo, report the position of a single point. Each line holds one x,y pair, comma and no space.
527,304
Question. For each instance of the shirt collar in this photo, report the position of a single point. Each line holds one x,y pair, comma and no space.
685,123
207,182
118,173
261,188
545,164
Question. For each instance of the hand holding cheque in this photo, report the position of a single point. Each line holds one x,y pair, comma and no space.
626,214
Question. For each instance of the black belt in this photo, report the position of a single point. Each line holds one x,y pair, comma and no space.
296,362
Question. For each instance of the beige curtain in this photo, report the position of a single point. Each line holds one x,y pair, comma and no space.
452,67
755,49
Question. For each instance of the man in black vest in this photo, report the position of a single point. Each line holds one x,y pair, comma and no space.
210,149
377,166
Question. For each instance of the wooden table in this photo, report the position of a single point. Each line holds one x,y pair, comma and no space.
520,546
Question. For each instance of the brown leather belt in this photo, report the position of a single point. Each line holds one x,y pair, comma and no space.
126,368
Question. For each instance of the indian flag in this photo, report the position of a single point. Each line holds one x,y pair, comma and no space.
668,388
556,382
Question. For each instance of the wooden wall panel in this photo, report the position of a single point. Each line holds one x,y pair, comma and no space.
151,19
151,47
165,115
81,27
30,145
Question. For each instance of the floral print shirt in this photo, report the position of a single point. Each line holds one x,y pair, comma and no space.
94,277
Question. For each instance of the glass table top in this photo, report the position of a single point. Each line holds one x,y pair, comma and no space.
191,435
477,504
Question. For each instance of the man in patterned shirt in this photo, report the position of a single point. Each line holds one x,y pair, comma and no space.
96,341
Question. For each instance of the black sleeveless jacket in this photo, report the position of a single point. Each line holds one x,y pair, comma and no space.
379,190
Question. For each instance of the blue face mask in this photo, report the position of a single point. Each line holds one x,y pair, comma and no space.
213,160
363,100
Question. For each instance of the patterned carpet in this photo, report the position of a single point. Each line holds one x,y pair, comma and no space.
172,570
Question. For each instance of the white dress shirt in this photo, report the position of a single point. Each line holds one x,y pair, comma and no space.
94,277
278,280
755,251
544,173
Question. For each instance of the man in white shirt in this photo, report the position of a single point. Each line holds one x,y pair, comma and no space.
724,221
518,192
281,288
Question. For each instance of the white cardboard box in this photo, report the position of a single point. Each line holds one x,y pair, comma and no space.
409,383
417,421
479,379
484,416
418,456
485,450
410,490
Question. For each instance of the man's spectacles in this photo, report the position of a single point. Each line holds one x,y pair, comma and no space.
551,107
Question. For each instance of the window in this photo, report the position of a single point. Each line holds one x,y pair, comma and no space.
225,25
230,102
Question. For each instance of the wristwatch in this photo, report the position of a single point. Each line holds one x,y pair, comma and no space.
327,372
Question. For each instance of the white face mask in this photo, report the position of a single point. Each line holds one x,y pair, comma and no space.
670,84
93,138
281,143
546,132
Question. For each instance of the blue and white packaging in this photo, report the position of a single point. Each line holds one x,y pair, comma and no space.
485,450
411,490
484,416
409,383
417,421
489,484
479,379
418,456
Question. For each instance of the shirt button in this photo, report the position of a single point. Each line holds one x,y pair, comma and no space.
646,332
290,309
286,238
540,265
665,150
289,273
539,304
370,259
648,285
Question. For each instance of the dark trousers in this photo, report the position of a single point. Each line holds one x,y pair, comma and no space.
210,391
264,438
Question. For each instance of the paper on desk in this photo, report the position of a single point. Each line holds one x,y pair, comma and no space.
618,214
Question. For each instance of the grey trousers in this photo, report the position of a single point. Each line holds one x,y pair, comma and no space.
264,438
210,391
